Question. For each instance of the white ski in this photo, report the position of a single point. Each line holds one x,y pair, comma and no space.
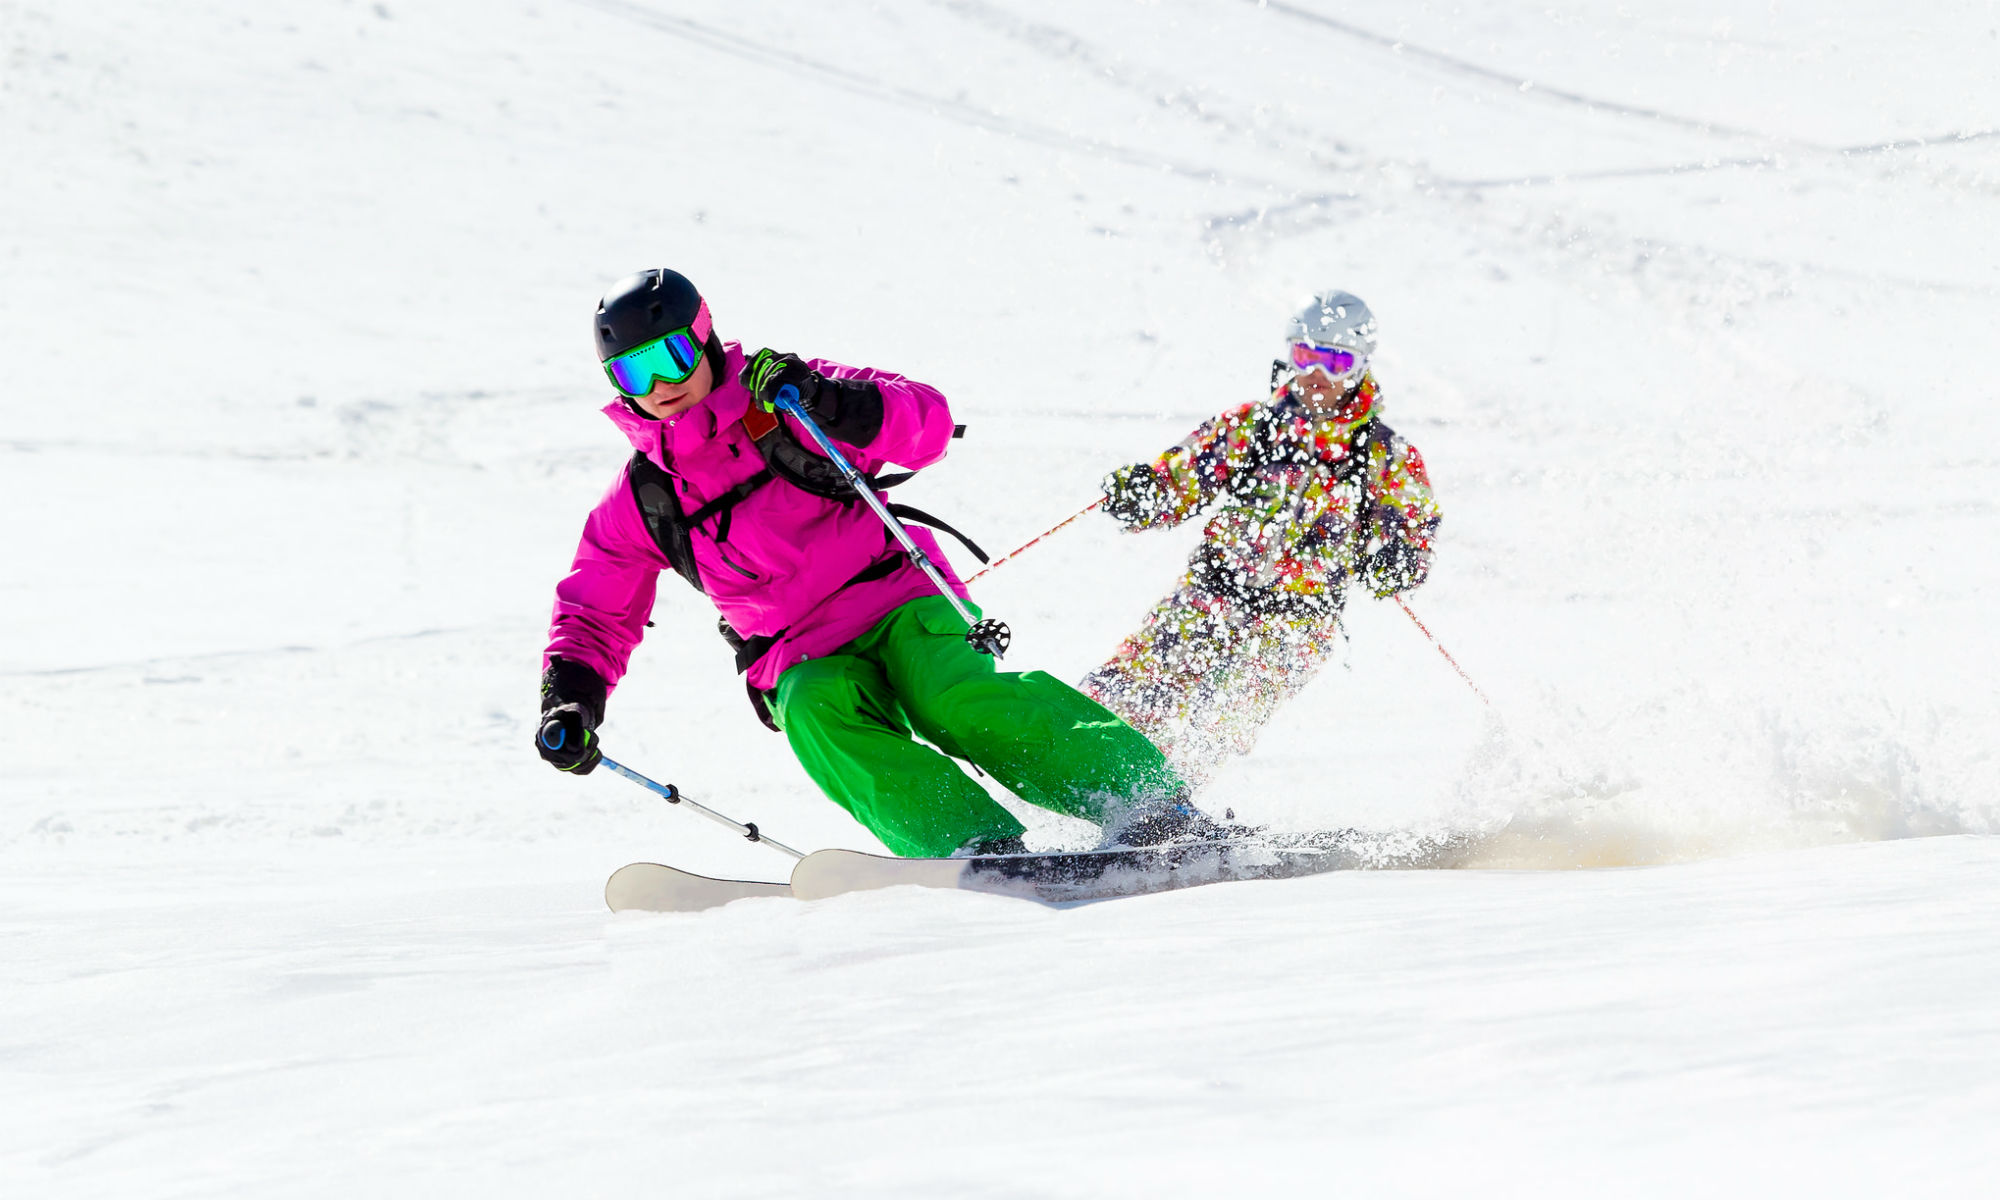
652,887
1064,877
1084,875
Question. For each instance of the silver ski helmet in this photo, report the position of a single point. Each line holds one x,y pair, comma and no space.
1334,320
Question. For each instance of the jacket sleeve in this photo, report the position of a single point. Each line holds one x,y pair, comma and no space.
916,419
1188,477
602,604
1400,516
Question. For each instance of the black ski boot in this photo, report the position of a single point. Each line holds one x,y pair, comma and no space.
1172,819
981,846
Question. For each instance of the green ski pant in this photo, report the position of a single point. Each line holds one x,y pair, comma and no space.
852,718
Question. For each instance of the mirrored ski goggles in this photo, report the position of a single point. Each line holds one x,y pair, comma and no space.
1306,356
672,358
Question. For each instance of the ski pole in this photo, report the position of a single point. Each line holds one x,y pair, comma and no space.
673,795
1003,558
1402,604
986,636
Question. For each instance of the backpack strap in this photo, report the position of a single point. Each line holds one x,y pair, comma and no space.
791,460
788,458
729,499
726,503
653,491
905,512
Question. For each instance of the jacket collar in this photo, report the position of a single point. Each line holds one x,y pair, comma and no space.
664,440
1362,405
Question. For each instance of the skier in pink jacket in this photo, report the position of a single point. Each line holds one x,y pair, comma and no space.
845,644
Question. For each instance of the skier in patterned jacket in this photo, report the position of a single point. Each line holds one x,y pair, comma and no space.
845,644
1316,493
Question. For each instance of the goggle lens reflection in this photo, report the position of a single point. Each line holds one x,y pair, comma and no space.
1306,356
672,358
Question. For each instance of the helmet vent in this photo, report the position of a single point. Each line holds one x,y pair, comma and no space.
641,307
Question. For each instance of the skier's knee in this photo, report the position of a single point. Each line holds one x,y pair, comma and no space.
980,709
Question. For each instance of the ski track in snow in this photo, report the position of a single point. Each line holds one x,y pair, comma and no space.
1527,88
1686,306
910,99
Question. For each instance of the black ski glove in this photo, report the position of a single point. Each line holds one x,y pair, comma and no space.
572,709
849,410
1129,494
1395,567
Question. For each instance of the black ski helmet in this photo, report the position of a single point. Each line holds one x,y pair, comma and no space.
652,304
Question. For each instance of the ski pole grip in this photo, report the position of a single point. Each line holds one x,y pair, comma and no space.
560,738
788,395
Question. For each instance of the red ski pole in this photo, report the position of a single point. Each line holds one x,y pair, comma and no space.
1400,603
1005,557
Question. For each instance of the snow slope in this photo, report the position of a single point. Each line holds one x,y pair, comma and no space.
1687,307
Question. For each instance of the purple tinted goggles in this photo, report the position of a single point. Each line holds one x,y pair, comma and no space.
1336,363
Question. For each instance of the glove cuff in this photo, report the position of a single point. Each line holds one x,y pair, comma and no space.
849,409
567,682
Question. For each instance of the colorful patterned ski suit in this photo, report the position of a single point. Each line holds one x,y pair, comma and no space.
1309,502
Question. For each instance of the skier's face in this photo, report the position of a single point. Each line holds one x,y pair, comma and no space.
1317,391
673,399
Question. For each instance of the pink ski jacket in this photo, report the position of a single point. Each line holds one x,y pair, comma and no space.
785,558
